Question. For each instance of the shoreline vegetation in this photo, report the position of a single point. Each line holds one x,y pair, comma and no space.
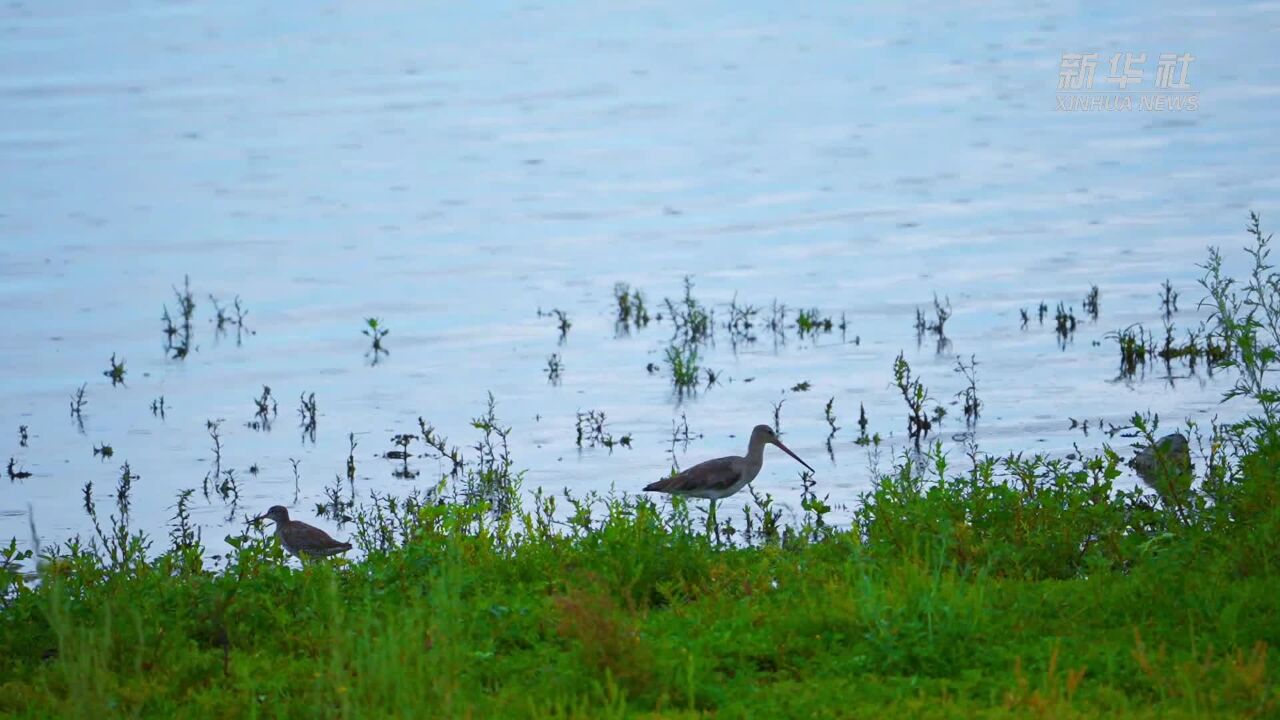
1015,587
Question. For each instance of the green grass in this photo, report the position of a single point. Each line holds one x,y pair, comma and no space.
967,596
683,362
1024,587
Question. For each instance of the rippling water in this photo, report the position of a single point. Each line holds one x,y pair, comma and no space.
453,171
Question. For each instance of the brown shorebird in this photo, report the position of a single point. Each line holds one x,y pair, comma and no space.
722,477
1166,467
300,539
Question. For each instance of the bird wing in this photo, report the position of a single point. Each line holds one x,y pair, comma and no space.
719,474
306,536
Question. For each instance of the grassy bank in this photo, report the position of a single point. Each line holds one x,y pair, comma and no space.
1018,588
643,613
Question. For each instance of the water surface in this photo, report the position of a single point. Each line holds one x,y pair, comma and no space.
453,171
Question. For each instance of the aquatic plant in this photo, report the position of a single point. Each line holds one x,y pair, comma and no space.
265,410
683,363
116,372
234,316
741,322
631,310
863,438
1169,299
590,431
376,332
1064,324
938,326
14,472
811,321
829,414
692,322
78,402
915,396
972,405
308,415
1090,303
554,369
178,336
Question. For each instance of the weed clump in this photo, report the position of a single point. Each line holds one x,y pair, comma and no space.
116,373
692,322
554,369
631,310
683,363
915,396
376,332
591,431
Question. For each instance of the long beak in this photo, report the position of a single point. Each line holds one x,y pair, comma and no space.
787,450
262,517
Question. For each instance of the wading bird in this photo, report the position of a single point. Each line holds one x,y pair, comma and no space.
300,539
722,477
1166,467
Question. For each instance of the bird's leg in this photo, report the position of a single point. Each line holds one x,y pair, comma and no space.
711,520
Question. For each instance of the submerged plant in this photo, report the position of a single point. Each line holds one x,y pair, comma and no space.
554,369
741,322
562,321
116,372
307,416
683,362
811,321
591,431
1169,296
214,428
78,402
1090,304
402,441
1136,346
692,321
265,410
178,335
915,396
938,326
16,473
863,438
233,316
972,406
829,414
1064,324
631,310
376,332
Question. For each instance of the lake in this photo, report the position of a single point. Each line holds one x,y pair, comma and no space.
460,173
